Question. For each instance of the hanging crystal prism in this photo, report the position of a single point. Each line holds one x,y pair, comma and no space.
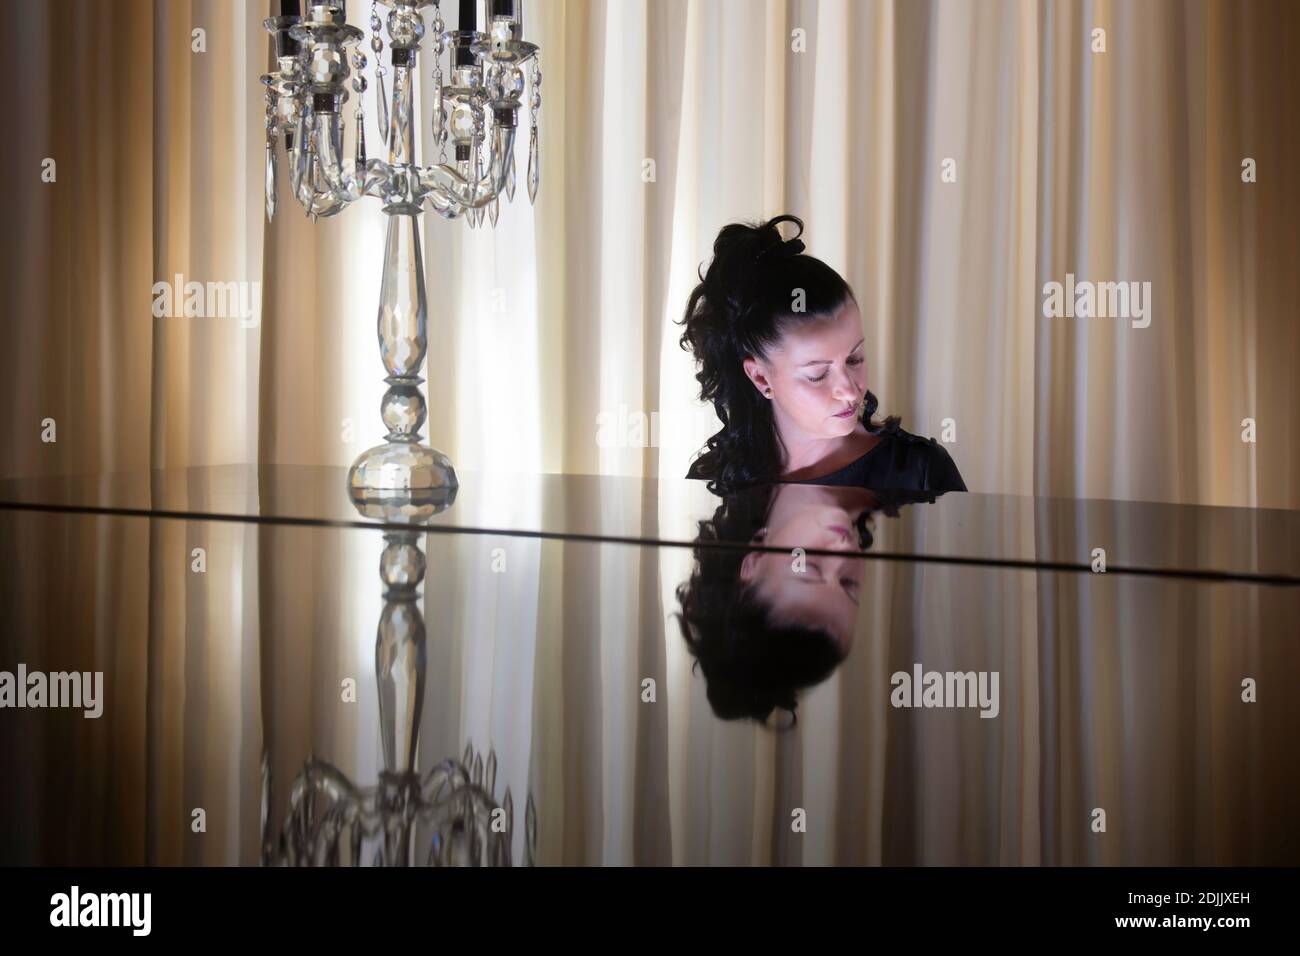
270,180
476,212
313,162
439,119
534,104
534,166
439,45
510,176
270,155
300,155
381,94
359,87
317,170
493,210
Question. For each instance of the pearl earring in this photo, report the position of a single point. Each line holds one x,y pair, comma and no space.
768,391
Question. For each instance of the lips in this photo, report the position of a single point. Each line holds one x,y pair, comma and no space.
847,412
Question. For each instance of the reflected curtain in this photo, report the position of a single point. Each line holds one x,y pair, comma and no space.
1120,693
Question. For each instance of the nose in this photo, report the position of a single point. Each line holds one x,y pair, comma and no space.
837,542
846,387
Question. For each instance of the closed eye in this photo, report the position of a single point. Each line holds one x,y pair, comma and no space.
853,361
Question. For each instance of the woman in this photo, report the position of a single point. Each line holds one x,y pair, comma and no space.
778,339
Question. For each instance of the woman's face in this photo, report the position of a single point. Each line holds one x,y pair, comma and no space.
812,589
816,372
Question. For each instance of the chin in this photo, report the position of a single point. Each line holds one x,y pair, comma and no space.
841,426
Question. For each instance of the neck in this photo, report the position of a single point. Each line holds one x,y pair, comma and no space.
803,452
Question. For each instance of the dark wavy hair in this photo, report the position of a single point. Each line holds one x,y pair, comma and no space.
743,306
753,664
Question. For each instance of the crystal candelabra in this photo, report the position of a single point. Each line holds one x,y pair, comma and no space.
316,58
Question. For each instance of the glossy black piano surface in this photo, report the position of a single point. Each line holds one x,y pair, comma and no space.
792,675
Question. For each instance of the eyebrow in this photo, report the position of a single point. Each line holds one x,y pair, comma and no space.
828,361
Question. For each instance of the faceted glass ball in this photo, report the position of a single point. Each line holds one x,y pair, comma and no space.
462,121
405,28
401,565
505,83
403,409
514,82
326,66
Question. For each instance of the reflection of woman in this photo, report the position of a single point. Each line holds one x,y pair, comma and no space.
764,624
778,339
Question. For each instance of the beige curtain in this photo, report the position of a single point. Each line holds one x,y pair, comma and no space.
1122,165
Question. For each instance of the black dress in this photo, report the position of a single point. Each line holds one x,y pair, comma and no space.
899,461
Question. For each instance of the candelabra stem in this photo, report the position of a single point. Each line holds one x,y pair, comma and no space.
402,464
399,650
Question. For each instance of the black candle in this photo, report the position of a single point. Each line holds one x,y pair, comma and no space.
286,45
461,55
503,8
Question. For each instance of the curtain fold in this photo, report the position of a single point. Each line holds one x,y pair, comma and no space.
552,338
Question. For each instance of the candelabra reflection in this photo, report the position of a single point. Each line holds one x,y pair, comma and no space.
446,816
